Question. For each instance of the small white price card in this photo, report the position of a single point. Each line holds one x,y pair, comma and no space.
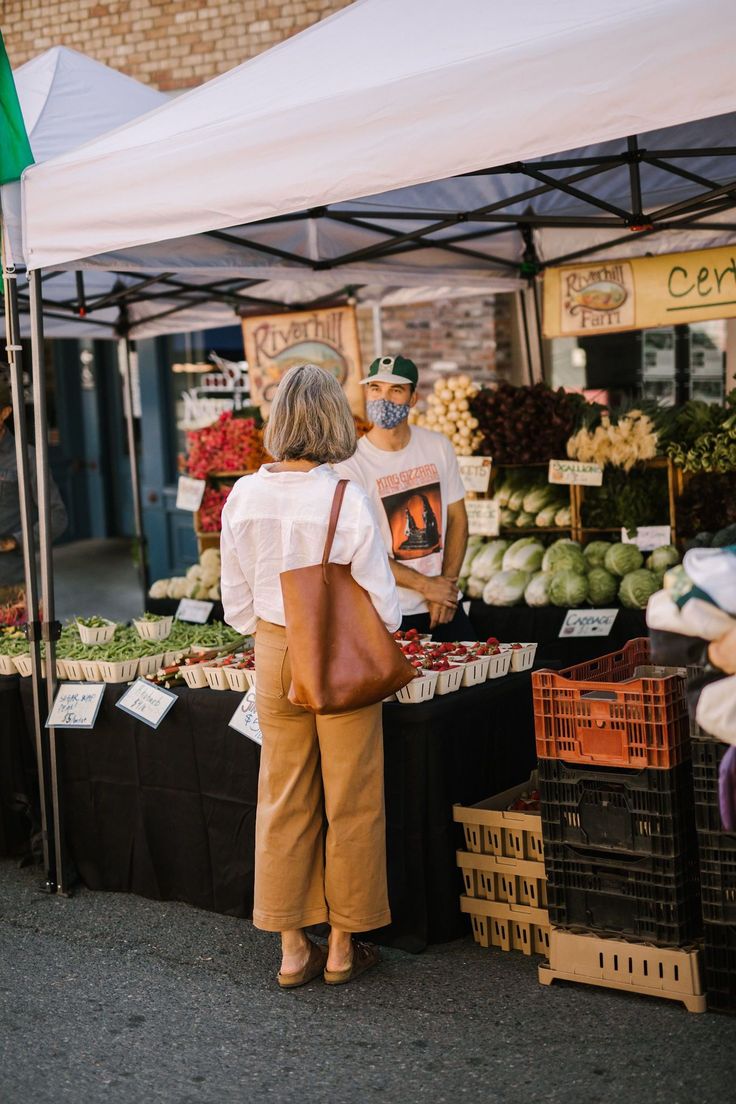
475,472
190,609
483,517
147,702
189,493
76,705
575,471
583,622
245,718
648,537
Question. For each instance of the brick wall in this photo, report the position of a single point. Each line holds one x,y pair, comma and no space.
176,44
170,44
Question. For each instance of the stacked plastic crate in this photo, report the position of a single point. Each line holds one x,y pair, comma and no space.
717,874
618,825
503,871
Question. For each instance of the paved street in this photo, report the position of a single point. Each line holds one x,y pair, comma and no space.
111,998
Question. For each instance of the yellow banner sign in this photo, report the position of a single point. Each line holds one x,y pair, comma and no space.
610,296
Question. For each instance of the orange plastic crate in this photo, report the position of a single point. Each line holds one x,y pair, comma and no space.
616,711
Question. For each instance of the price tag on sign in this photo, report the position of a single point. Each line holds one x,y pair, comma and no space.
475,472
483,517
575,471
189,493
588,622
245,718
76,705
648,537
146,702
191,609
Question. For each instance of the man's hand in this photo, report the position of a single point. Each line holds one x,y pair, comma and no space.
8,544
440,614
440,590
722,653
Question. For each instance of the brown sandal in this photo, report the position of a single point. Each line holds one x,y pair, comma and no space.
365,955
314,967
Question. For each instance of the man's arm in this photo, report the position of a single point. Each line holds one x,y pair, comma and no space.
435,589
456,543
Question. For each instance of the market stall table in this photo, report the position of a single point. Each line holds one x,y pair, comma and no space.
170,813
542,625
17,773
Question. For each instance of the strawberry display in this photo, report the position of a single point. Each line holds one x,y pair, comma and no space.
210,511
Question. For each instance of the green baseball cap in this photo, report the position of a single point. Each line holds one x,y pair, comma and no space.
389,369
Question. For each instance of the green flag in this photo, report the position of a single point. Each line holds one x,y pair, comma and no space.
15,149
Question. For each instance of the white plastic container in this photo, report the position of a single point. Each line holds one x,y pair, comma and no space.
522,659
449,681
154,630
475,671
121,670
103,634
194,676
500,664
216,677
239,678
149,665
7,665
22,665
91,670
74,671
61,668
419,689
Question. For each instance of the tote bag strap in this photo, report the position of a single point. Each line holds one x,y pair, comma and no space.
332,527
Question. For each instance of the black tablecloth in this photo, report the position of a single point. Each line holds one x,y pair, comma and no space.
18,789
542,625
170,813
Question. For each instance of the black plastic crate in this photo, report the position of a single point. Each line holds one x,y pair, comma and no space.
719,955
646,812
707,756
650,899
718,876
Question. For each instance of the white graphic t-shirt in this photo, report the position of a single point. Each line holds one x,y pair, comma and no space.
410,491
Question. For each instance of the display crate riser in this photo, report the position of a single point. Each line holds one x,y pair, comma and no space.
491,828
638,897
615,711
498,925
707,755
647,811
718,876
618,964
719,955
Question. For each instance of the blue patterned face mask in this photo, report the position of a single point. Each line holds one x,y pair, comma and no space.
386,414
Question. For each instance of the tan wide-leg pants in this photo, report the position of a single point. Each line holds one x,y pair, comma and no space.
320,824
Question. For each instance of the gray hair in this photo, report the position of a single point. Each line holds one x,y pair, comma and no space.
310,418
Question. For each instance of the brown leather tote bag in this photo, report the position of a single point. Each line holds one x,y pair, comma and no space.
342,656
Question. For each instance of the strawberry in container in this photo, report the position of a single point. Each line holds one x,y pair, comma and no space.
449,675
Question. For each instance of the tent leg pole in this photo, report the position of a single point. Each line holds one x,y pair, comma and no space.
15,360
124,351
521,300
49,625
535,292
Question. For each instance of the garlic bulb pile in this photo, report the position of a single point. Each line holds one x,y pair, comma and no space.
448,412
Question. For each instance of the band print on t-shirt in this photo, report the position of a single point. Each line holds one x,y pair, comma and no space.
412,500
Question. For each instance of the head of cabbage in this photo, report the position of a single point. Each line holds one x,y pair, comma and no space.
568,589
595,552
637,587
489,559
506,588
663,558
564,555
620,559
537,590
602,587
523,555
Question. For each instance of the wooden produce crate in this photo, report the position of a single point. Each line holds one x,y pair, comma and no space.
491,828
509,927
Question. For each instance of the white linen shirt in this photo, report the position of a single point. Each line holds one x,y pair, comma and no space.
276,521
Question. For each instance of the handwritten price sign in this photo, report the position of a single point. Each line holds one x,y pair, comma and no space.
147,702
575,471
76,705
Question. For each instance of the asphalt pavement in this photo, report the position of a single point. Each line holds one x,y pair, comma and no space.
117,999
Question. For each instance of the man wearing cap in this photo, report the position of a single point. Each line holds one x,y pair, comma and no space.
11,556
413,479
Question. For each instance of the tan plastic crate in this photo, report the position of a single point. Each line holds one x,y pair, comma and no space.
491,829
509,927
668,972
494,878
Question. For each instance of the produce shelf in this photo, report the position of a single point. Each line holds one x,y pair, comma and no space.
641,898
647,811
618,964
615,711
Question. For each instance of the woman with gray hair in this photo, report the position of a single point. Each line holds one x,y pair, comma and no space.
320,826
